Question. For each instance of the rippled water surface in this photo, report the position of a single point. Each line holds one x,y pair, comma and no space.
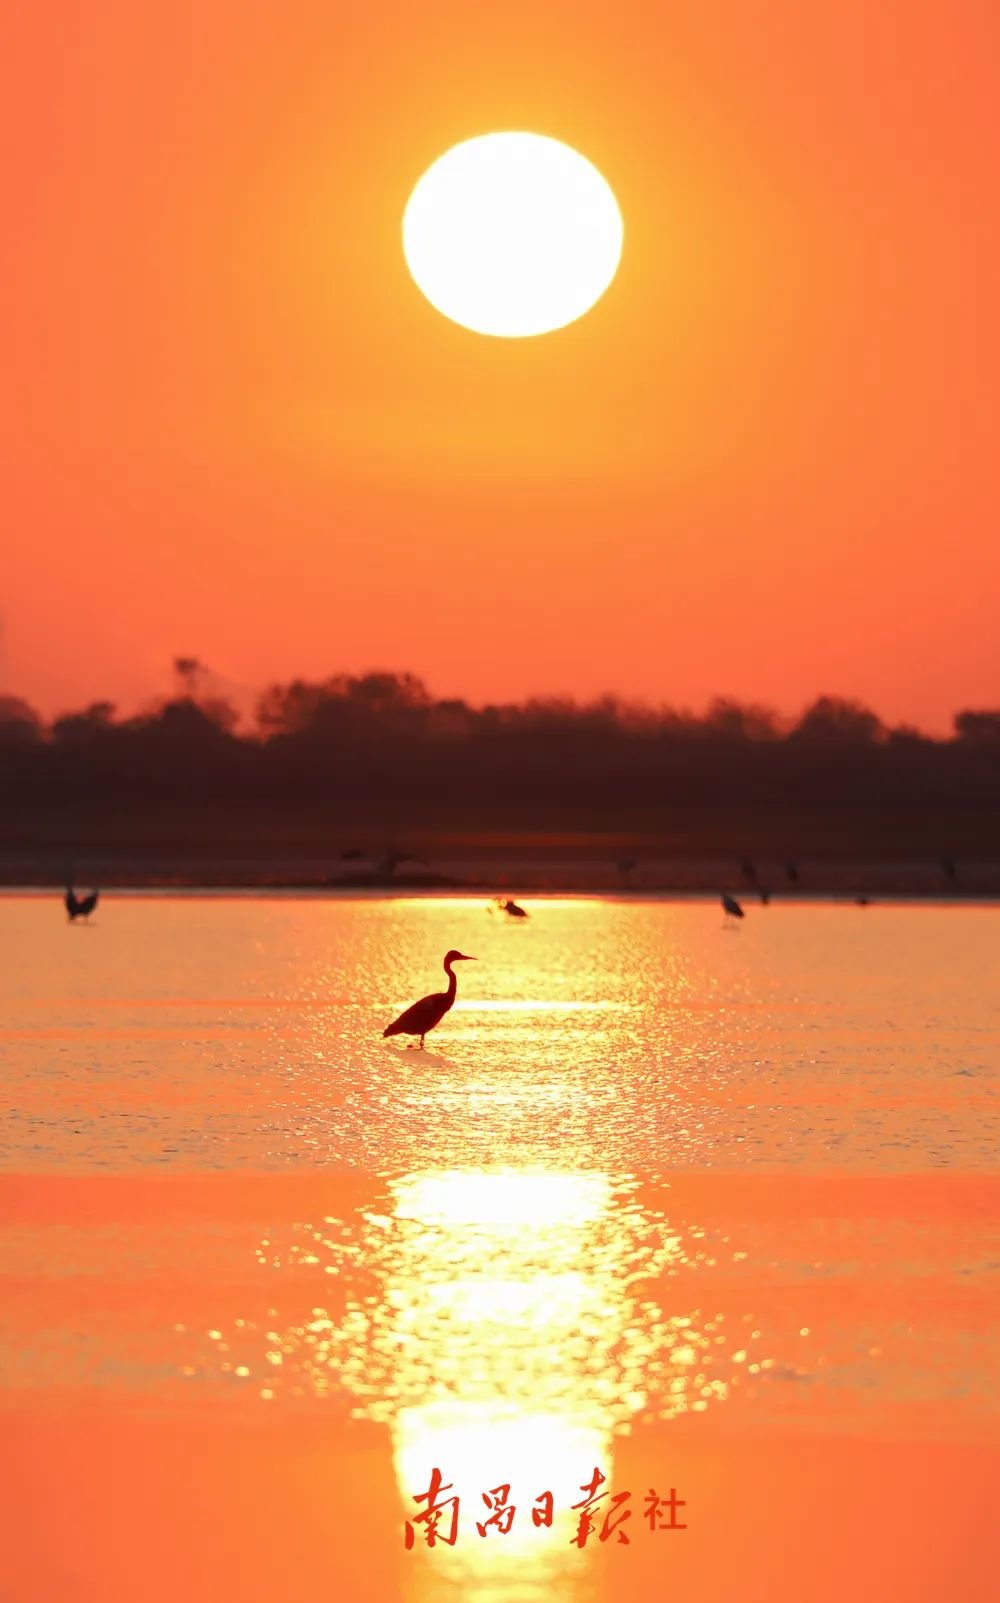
651,1172
224,1033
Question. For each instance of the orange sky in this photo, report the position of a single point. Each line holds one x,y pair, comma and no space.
231,426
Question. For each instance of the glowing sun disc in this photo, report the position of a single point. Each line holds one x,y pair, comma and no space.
512,234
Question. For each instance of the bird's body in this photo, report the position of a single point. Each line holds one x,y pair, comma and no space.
79,906
426,1014
512,909
731,906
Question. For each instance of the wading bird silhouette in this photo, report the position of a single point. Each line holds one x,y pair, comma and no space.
430,1010
79,906
511,908
731,906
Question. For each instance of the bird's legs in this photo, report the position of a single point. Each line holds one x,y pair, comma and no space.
422,1048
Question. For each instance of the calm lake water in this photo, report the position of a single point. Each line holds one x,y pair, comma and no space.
651,1174
246,1033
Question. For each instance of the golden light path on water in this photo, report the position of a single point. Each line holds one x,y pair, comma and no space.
495,1273
507,1343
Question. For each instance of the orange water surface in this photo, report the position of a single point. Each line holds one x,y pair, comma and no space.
716,1212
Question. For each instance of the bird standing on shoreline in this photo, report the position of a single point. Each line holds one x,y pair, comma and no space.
430,1010
512,909
731,906
79,906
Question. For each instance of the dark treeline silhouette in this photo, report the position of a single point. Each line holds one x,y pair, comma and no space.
380,747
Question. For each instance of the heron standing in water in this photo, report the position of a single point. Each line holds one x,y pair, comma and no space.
79,906
424,1015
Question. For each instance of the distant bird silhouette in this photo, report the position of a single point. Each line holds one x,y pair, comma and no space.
862,901
512,908
949,868
424,1015
765,895
731,906
791,874
749,871
80,906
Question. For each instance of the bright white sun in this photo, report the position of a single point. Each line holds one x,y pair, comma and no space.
512,234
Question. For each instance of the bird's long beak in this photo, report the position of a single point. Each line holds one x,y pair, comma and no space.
463,958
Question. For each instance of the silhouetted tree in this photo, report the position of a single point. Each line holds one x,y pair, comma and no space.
378,748
187,672
344,698
978,728
18,721
741,721
835,720
80,727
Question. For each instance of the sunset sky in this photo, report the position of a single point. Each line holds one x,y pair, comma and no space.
764,464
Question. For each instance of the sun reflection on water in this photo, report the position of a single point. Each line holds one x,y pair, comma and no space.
494,1275
505,1325
529,1291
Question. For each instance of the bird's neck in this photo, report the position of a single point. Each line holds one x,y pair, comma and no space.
452,981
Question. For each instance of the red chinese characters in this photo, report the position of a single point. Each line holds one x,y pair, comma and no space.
600,1513
430,1518
502,1515
661,1512
587,1523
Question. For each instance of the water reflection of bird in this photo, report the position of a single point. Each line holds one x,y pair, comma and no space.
80,906
731,906
424,1015
512,909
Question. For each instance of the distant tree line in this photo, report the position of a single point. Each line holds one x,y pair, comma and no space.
378,736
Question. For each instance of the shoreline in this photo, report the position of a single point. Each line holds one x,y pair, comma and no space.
578,867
